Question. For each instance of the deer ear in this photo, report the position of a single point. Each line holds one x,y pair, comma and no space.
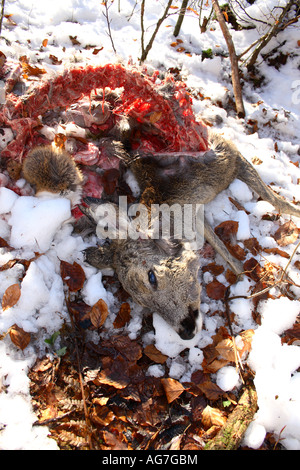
170,247
99,257
110,222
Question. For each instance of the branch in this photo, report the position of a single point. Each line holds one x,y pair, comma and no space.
280,281
2,14
232,433
267,37
237,89
180,17
108,25
146,50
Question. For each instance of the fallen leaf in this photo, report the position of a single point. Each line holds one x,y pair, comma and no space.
286,233
73,275
253,269
154,354
30,70
74,40
215,290
213,417
54,60
256,161
211,390
95,51
11,296
173,389
154,117
227,230
213,268
99,313
2,59
226,349
277,251
123,316
45,42
113,441
19,337
246,337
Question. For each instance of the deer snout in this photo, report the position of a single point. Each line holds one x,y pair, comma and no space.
188,326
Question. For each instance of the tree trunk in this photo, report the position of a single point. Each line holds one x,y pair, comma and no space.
237,89
180,17
231,434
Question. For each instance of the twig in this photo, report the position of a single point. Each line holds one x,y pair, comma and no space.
237,89
108,21
280,281
2,14
271,33
145,50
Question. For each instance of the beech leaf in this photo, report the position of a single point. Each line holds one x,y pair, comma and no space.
73,275
213,417
215,290
123,316
19,337
173,389
286,233
11,296
154,354
99,313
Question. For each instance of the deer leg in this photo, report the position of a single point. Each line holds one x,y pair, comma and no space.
249,175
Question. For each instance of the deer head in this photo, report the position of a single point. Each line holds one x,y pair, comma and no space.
159,274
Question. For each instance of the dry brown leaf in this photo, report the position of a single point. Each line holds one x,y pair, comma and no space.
277,251
173,389
2,59
211,390
99,313
286,233
74,40
213,268
154,117
226,349
30,70
256,161
215,290
227,230
246,337
11,296
73,275
123,316
213,417
19,337
154,354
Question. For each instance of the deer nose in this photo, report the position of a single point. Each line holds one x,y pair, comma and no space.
188,325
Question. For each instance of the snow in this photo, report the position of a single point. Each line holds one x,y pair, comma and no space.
35,221
42,225
227,378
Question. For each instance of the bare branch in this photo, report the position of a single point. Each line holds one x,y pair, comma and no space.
237,89
145,50
2,14
271,33
108,21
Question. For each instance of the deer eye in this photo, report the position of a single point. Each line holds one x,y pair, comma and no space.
152,278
